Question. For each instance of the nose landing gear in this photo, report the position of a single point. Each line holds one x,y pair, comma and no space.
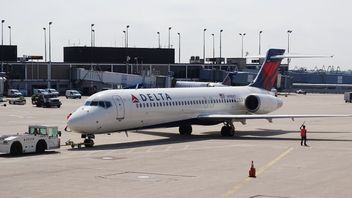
88,140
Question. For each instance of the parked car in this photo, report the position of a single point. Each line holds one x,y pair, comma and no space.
38,91
72,94
18,101
52,91
13,93
300,91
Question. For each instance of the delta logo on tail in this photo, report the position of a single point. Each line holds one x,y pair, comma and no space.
269,71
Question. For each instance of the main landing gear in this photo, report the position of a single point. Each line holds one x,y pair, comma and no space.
185,129
88,140
228,130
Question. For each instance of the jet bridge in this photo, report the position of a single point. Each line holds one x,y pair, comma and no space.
122,80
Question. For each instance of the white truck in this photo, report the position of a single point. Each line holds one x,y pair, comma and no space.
348,97
38,139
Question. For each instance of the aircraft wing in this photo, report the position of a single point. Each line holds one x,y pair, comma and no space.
243,118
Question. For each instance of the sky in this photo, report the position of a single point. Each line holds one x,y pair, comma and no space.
318,26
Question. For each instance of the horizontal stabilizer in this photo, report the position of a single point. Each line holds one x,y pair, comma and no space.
291,56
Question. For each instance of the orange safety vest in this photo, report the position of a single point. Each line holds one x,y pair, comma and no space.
303,132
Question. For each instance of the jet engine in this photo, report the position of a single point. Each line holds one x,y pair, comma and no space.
262,103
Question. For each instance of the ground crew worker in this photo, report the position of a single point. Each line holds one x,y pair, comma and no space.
303,135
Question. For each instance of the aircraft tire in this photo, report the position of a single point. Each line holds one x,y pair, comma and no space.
88,143
227,131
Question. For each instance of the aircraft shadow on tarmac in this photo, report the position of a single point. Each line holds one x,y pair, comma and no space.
28,154
174,138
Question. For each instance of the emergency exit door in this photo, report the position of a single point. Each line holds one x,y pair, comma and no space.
120,107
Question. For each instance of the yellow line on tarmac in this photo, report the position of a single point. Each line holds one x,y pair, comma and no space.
237,187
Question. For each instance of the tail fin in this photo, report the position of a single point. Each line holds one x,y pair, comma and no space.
269,70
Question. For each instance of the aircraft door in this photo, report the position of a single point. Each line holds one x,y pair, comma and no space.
120,107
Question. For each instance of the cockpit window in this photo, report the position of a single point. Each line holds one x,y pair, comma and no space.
94,103
107,104
104,104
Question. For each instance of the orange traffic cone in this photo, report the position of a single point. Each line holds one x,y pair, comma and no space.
252,171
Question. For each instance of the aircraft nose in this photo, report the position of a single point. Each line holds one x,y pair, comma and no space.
79,121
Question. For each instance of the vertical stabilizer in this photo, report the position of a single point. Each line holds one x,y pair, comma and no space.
268,72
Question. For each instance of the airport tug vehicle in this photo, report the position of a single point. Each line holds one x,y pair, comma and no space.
38,139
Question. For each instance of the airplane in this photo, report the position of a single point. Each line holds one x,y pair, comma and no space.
226,82
132,109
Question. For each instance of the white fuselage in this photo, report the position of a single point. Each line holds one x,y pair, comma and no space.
119,110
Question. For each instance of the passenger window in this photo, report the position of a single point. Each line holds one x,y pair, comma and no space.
87,103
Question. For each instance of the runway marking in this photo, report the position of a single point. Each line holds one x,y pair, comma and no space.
237,187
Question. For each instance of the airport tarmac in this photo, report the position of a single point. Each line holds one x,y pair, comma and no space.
161,163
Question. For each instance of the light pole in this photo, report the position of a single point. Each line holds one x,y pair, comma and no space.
45,43
158,39
213,45
169,45
128,26
204,30
93,38
242,35
50,40
288,45
124,34
2,32
91,34
9,32
179,47
260,40
220,45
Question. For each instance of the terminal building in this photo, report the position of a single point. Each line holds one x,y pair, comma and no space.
91,69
